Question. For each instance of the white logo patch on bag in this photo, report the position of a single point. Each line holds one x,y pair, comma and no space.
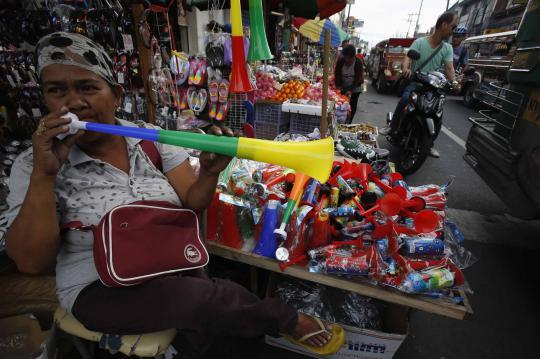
192,254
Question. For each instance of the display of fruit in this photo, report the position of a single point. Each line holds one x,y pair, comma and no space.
314,93
293,89
265,86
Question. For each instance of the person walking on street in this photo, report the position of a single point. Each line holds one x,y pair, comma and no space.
435,53
349,75
461,57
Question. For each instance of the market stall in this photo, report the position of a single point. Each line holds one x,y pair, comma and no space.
283,205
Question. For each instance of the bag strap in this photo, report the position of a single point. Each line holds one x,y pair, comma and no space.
150,149
152,152
431,56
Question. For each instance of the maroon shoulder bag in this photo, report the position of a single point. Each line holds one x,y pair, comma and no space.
139,241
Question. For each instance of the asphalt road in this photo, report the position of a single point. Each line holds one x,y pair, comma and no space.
468,192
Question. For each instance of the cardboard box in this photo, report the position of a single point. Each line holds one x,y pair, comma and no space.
363,343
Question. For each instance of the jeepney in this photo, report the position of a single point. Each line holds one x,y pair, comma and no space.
504,142
491,56
386,58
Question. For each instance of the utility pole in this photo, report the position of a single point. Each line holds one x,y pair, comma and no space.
410,20
348,16
418,18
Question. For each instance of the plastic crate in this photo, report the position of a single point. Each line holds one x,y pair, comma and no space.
269,131
270,112
304,124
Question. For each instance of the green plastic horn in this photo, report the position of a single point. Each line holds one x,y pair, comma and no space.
258,45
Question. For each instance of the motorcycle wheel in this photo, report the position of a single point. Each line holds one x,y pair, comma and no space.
414,149
468,96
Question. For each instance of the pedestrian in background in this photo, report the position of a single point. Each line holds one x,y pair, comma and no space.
349,75
461,57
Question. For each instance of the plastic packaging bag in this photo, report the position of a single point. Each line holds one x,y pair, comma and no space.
331,304
454,249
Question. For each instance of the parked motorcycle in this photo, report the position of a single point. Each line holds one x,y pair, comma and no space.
421,120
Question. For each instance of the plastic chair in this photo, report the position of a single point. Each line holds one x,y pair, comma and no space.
149,345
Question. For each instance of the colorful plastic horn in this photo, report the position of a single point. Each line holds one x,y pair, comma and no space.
294,199
267,244
239,77
313,158
258,45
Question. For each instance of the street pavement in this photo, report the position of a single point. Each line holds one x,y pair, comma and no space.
505,302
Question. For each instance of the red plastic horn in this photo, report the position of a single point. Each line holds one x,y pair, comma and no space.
415,204
386,188
364,170
239,78
390,204
425,221
231,234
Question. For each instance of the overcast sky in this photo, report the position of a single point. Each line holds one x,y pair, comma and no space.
385,18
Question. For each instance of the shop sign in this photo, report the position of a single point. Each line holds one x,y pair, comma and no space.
532,110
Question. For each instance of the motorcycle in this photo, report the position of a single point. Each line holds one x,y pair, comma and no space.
421,120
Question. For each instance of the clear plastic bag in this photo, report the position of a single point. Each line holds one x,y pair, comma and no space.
306,297
454,249
331,304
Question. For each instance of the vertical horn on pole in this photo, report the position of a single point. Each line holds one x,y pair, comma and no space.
258,44
239,77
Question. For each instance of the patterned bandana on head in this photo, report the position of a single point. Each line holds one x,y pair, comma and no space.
74,49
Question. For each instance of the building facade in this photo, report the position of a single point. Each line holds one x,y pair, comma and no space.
489,16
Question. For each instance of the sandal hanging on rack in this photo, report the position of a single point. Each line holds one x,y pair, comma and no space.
200,74
192,98
135,72
222,112
193,67
153,84
214,96
223,91
179,66
183,98
202,97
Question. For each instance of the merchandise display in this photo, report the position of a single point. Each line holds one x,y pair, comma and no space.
364,222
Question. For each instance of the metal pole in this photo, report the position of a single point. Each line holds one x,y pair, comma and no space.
348,16
418,18
447,4
326,60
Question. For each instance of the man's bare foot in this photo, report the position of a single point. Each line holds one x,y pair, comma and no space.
306,325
